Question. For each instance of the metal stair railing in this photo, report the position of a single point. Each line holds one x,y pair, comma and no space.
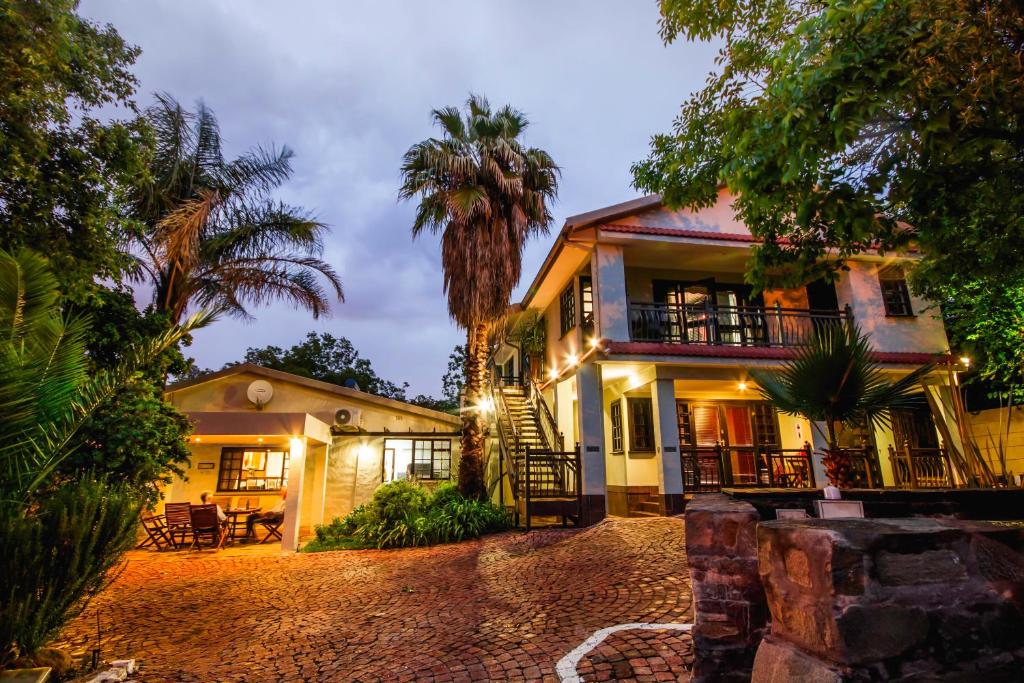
554,439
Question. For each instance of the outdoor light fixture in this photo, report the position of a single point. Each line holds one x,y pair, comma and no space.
553,373
742,386
595,342
966,361
573,359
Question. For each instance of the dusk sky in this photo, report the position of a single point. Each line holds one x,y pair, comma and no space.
349,86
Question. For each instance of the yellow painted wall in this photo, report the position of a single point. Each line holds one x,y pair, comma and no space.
987,426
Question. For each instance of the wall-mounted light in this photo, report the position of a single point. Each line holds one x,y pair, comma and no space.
966,361
595,342
572,359
553,373
742,386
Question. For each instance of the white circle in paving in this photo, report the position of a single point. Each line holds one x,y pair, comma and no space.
566,667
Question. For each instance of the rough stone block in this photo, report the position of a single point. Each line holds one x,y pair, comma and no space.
778,661
880,594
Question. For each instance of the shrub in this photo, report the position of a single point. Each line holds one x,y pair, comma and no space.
402,514
55,555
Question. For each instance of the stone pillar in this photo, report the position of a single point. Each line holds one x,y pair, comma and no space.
608,272
729,602
666,439
909,599
590,397
293,503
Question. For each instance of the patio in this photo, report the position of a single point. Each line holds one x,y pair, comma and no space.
506,607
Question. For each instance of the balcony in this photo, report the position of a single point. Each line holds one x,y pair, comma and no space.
728,325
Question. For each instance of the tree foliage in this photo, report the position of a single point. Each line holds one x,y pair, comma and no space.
848,125
213,235
60,165
328,359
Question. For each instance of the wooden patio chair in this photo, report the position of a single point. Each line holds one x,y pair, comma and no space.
156,533
273,527
178,520
206,523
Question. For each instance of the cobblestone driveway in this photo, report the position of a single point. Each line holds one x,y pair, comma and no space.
507,607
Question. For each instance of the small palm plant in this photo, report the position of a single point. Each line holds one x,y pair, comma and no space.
834,380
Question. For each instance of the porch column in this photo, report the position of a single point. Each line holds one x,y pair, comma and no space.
589,394
666,437
608,272
819,443
319,483
293,503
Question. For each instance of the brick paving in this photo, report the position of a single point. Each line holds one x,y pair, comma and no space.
506,607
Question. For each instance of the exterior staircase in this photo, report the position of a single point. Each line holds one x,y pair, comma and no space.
543,477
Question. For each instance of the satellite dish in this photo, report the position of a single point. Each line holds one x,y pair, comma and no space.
260,392
351,383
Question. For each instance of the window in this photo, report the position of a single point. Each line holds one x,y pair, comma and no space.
253,469
765,429
683,418
616,412
419,458
587,305
895,295
641,425
567,309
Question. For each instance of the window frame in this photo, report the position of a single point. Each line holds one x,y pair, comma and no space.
587,304
646,406
892,282
434,451
240,451
618,435
567,309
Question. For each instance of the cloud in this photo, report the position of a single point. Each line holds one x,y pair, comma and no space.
350,85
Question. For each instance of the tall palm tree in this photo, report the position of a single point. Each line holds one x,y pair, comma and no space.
212,235
486,194
835,380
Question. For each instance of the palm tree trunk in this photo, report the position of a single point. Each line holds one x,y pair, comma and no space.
471,463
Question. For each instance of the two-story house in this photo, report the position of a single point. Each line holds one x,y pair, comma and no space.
650,332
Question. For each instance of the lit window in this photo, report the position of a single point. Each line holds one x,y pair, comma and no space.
417,458
253,469
641,428
895,295
587,305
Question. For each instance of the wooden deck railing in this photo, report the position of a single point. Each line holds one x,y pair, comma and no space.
921,468
709,468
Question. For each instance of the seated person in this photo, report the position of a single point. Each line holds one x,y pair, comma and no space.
206,497
274,514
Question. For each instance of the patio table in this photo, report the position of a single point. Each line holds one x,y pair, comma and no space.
236,521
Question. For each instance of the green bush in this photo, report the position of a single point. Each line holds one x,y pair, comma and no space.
401,515
56,555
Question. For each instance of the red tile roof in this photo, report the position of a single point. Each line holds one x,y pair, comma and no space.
754,352
679,232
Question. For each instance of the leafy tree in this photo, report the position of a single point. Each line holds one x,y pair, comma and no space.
214,236
455,377
848,125
329,359
834,380
60,165
486,194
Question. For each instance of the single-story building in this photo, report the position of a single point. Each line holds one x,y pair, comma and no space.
262,432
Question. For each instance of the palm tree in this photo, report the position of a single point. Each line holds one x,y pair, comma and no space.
212,236
834,380
486,193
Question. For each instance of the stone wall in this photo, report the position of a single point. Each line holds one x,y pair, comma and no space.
902,600
730,607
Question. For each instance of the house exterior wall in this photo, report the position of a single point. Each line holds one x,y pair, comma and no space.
858,287
989,428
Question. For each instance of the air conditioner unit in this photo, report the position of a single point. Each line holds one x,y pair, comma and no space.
348,419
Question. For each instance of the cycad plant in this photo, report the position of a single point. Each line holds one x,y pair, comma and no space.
212,236
835,380
486,193
59,533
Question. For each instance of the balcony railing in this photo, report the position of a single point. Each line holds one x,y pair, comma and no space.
729,325
709,468
921,468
